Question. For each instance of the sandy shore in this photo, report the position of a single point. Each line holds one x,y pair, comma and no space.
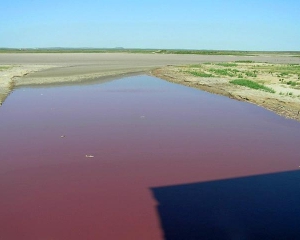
283,104
10,72
38,69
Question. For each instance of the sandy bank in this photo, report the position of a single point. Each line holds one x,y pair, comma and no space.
284,105
9,73
37,75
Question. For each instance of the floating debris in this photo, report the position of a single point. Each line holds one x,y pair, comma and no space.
62,136
89,156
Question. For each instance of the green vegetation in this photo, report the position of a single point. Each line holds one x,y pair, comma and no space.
288,94
224,72
244,61
285,73
199,74
292,83
251,74
280,70
227,64
251,84
4,68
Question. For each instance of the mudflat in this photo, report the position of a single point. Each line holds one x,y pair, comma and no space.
74,66
24,69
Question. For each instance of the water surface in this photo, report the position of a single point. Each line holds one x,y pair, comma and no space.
143,133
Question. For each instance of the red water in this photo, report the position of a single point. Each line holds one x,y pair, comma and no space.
143,132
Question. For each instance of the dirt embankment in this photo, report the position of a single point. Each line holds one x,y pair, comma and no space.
285,101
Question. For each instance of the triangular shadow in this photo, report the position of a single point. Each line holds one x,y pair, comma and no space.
257,207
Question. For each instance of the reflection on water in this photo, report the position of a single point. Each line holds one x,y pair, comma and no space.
142,133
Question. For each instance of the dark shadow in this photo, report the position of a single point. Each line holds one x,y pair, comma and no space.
260,207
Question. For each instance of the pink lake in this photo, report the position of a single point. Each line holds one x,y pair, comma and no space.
143,133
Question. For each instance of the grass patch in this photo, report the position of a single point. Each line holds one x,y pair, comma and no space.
250,74
199,74
224,72
292,83
285,70
244,61
283,74
195,66
279,70
2,68
251,84
227,64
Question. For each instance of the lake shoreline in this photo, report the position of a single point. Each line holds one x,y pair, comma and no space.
283,106
39,70
14,78
11,72
19,76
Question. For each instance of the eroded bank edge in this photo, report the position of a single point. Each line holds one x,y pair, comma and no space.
280,106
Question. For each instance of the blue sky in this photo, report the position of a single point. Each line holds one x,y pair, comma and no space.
185,24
